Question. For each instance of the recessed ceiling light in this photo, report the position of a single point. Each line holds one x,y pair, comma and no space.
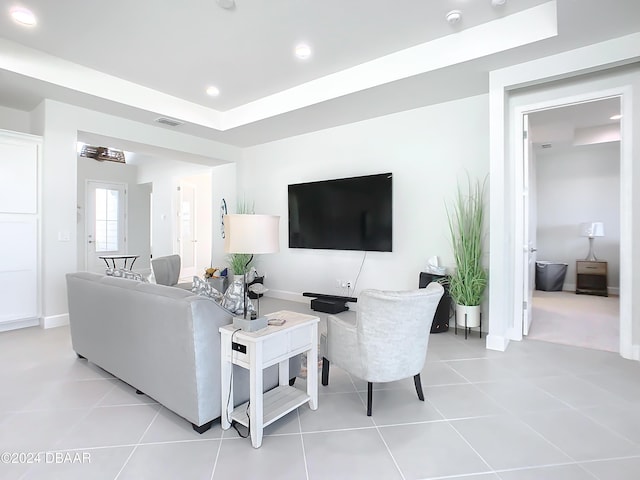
303,51
23,16
454,16
615,117
498,3
213,91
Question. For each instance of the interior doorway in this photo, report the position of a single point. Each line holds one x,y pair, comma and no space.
194,223
572,177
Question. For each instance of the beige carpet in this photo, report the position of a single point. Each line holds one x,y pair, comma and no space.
580,320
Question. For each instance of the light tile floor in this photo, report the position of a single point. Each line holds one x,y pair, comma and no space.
538,411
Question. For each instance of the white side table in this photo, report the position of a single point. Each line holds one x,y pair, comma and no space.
256,351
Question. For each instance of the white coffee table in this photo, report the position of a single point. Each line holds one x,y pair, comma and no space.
256,351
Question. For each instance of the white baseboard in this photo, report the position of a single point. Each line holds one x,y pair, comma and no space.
496,342
15,324
285,295
55,321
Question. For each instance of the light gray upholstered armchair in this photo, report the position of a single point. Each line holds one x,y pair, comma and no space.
388,340
166,271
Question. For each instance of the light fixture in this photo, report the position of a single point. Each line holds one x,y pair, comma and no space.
23,16
615,117
454,16
213,91
302,51
591,230
251,234
498,3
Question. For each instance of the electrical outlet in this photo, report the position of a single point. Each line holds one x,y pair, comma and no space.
349,284
343,284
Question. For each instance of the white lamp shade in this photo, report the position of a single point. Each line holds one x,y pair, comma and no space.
592,229
252,233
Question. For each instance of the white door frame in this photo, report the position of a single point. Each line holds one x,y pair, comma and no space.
600,57
626,207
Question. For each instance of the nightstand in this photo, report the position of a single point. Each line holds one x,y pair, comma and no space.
591,277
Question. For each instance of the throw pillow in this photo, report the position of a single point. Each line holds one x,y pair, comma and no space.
201,287
123,273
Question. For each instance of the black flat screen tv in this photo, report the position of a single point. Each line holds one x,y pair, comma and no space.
344,214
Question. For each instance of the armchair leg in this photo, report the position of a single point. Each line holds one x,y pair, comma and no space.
418,383
369,398
325,371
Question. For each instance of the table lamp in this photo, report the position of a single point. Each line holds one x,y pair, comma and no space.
251,234
591,230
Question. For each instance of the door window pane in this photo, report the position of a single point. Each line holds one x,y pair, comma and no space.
107,220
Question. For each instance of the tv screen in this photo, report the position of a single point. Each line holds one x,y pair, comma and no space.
343,214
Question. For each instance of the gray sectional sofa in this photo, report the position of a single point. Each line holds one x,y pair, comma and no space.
164,341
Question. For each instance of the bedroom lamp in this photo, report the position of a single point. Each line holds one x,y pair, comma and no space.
591,230
251,234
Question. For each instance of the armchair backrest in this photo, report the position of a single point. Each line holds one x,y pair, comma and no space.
393,331
166,270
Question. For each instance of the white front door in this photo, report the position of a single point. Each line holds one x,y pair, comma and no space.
529,224
105,223
187,225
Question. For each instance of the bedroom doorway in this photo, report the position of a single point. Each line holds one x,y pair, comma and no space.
574,178
583,179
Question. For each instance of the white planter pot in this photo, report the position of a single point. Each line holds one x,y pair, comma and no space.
472,313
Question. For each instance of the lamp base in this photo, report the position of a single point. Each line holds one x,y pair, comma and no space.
591,257
248,325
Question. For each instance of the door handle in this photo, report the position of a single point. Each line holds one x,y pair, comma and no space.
532,250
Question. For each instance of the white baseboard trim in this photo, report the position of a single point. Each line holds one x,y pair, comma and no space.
55,321
635,352
496,342
285,295
16,324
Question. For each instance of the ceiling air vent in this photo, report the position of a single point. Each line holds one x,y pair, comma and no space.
172,122
102,154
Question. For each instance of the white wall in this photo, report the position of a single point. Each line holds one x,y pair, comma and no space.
165,177
427,149
139,225
575,185
223,180
14,120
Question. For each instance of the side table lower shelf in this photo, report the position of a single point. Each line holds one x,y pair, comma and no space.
277,403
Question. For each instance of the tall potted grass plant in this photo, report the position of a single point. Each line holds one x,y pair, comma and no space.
466,226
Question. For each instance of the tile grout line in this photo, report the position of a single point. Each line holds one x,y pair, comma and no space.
137,444
304,453
448,421
215,462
